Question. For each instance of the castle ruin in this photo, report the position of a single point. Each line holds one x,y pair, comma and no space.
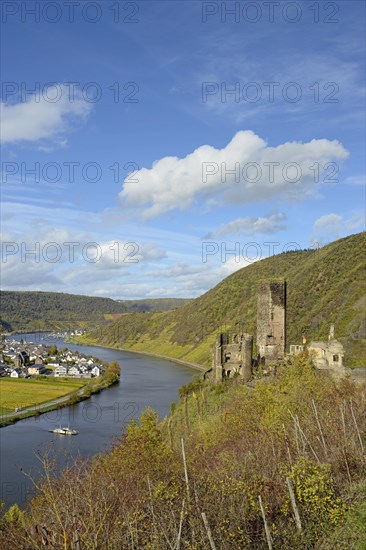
232,355
329,354
271,320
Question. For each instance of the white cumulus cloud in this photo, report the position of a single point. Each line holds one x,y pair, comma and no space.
245,170
332,226
39,118
264,225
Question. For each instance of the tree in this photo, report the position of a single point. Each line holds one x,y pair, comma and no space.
14,515
112,372
52,350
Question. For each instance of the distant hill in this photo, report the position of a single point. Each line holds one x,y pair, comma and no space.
323,286
154,304
54,310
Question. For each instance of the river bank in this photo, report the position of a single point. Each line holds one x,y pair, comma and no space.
26,331
145,382
91,389
190,364
108,378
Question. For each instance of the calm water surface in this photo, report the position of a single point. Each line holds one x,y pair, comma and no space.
145,381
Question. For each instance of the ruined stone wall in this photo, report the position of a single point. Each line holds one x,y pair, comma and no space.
247,357
233,354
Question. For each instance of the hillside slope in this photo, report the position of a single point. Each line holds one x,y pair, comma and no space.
223,452
154,304
45,310
323,286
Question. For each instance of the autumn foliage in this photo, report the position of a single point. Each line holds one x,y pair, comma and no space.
216,474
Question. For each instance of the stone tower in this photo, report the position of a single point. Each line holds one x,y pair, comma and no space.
271,319
233,354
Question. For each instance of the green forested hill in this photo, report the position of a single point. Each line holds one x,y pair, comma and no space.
27,310
323,286
46,310
154,304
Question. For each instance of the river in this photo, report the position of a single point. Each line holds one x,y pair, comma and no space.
145,381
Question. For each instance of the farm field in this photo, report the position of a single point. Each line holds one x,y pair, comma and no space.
27,392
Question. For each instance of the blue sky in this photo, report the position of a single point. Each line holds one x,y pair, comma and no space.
172,143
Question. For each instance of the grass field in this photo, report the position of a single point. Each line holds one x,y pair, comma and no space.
27,392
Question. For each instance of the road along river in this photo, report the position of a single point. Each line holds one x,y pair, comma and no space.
145,381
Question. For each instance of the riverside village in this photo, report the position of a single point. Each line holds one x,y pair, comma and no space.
20,359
